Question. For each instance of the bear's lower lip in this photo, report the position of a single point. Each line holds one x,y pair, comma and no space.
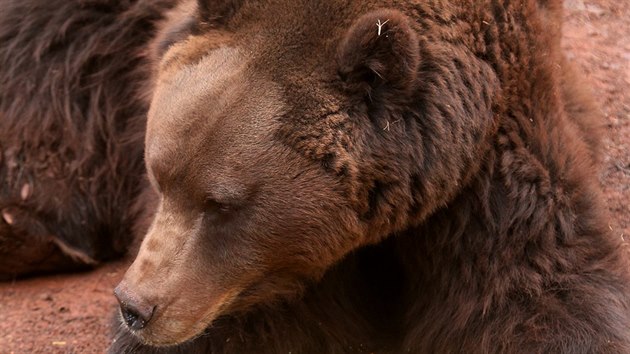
162,330
158,338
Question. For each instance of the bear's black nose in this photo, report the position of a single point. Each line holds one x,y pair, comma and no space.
135,312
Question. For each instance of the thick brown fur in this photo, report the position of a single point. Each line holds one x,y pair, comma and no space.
73,84
463,154
331,176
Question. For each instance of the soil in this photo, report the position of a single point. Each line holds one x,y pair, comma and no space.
597,38
59,313
71,313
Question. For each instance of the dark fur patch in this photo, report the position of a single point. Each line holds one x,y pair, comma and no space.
73,78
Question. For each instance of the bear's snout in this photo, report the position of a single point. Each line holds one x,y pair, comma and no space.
135,311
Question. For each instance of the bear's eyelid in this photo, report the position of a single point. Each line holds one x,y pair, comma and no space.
229,191
218,206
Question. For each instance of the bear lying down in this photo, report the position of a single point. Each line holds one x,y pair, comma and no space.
372,176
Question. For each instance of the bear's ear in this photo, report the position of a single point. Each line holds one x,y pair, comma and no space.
217,11
379,55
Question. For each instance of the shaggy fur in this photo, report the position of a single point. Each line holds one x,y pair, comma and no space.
73,78
373,176
463,155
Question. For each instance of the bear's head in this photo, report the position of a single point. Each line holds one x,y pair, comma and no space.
283,135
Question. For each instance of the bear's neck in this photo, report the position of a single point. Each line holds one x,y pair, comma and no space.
523,233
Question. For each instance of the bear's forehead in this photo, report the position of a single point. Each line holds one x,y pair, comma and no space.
230,90
214,105
181,90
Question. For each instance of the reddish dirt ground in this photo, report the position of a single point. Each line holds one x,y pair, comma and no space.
70,313
60,313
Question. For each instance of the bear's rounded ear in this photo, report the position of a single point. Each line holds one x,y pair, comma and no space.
217,11
379,54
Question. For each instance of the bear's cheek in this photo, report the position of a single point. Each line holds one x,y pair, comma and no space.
304,224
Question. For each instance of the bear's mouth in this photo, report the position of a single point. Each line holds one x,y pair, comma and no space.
173,324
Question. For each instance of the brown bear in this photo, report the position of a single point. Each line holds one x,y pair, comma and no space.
73,76
340,176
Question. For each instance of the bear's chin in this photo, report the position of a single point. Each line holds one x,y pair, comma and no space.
162,336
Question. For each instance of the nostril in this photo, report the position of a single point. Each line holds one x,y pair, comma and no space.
133,318
135,313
